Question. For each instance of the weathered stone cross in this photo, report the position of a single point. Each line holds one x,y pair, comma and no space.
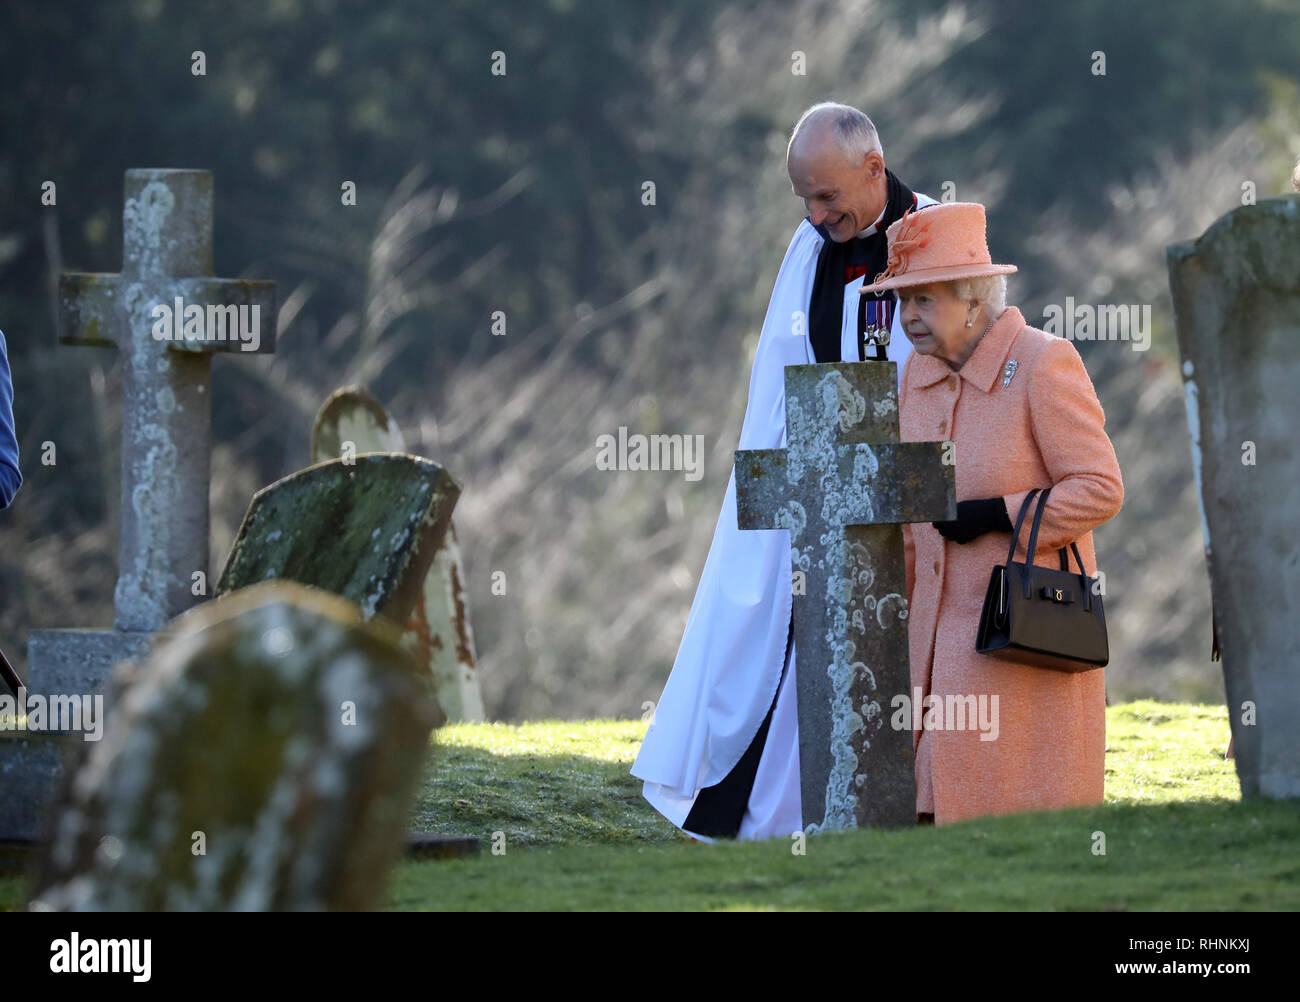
166,443
166,416
843,486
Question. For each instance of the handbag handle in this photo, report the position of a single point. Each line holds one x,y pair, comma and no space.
1020,520
1064,557
1033,534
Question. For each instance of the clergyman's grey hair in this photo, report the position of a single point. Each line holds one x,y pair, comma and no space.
852,129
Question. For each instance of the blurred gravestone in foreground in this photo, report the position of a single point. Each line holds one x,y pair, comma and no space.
1236,294
264,758
352,422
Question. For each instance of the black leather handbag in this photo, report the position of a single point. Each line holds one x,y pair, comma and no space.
1039,616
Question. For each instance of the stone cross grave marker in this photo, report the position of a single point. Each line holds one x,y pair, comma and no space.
166,414
842,486
166,440
1236,293
438,632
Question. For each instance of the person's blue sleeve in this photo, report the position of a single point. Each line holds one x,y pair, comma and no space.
11,477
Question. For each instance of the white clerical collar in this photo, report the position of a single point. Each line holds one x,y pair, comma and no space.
872,228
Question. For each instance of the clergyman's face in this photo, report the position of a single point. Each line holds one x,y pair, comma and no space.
846,199
934,320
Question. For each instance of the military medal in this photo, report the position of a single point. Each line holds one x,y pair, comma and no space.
874,317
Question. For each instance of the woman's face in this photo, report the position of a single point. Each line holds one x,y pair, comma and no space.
934,320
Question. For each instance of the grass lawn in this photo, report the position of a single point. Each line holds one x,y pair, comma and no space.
577,835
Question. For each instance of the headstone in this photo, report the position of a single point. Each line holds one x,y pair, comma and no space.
842,486
166,412
30,766
366,531
1236,293
264,758
166,433
350,423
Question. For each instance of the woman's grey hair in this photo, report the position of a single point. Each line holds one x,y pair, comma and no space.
989,291
851,128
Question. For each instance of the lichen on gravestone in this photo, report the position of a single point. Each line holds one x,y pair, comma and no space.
278,722
351,414
438,632
843,485
366,530
1236,297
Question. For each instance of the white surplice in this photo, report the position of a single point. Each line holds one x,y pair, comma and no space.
729,663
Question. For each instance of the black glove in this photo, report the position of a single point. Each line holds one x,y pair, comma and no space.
974,518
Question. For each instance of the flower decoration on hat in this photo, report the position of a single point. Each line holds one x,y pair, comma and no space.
911,236
948,244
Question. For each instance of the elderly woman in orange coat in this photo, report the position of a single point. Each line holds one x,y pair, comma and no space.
1022,413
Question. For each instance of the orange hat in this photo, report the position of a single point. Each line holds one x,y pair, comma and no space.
939,243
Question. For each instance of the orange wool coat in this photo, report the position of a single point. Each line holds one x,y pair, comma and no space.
1043,428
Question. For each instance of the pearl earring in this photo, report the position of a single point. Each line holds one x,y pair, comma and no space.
967,323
